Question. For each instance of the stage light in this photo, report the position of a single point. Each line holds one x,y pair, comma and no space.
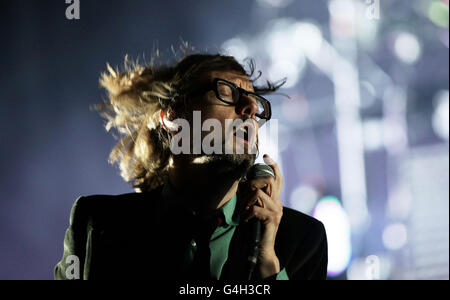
331,213
441,115
395,236
287,58
373,134
303,198
438,12
343,17
342,10
407,48
371,267
236,47
274,3
284,136
268,137
285,68
307,36
288,43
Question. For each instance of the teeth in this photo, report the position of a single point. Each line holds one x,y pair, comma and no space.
244,130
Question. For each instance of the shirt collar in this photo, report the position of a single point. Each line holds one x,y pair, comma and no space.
230,212
171,199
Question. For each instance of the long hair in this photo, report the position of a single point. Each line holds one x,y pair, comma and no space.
135,98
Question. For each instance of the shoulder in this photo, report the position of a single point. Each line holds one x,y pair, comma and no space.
296,219
102,208
302,245
297,226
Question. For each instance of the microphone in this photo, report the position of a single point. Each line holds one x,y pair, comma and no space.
257,170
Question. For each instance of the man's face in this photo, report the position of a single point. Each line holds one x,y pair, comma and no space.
213,108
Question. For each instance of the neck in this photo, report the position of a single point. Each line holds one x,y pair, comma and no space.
207,186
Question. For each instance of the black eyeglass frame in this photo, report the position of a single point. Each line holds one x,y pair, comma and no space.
264,102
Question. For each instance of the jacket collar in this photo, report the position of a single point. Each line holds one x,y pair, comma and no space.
236,265
172,199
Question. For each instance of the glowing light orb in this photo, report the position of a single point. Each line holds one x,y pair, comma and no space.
337,225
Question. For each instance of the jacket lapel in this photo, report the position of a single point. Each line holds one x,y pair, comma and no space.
236,266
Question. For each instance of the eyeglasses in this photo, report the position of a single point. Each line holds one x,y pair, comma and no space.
231,94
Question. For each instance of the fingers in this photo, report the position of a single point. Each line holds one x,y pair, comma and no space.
255,199
265,183
261,196
268,160
261,199
248,187
266,216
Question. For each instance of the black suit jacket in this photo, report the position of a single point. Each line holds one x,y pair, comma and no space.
133,236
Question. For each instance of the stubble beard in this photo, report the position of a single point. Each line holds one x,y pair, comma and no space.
226,165
235,165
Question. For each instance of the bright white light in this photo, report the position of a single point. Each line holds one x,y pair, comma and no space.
343,17
342,10
395,236
303,198
373,134
284,137
441,114
371,267
366,24
287,43
268,141
282,69
307,37
274,3
407,48
279,42
394,124
237,48
330,212
357,270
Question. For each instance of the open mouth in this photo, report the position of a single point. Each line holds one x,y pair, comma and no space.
245,132
242,134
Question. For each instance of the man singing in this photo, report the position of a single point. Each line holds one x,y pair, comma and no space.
191,214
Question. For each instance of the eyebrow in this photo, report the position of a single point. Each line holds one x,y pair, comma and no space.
236,77
229,78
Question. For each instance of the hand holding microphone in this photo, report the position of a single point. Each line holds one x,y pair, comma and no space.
260,199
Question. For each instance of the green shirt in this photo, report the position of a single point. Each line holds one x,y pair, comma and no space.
220,239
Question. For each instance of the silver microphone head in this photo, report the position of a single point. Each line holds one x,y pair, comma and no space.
259,170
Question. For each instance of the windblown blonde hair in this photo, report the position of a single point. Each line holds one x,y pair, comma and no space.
135,98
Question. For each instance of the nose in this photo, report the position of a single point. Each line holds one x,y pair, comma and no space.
247,106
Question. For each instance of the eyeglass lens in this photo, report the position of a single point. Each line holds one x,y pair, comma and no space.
229,93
